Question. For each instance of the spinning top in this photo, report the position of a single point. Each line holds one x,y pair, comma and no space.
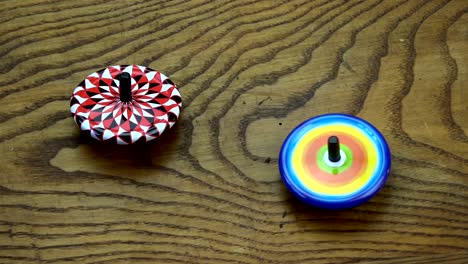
335,161
125,104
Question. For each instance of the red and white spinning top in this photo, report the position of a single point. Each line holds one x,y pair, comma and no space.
125,104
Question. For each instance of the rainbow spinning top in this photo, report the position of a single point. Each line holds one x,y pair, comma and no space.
335,161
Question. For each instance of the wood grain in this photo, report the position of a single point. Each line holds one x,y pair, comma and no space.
249,71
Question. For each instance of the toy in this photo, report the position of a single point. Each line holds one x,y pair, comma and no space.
335,161
125,104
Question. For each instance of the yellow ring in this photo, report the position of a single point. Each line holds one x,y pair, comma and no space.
315,186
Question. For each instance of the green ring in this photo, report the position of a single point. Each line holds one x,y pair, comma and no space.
335,170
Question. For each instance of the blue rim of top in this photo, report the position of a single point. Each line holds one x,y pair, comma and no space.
320,201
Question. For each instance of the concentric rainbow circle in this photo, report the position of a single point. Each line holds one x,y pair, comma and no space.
311,178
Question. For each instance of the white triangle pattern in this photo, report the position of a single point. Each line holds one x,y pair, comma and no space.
139,123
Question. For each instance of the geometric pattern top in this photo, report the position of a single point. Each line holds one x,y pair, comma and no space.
154,107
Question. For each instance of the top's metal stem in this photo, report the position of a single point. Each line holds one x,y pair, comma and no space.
334,149
125,87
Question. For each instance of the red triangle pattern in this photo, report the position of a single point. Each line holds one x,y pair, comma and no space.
96,106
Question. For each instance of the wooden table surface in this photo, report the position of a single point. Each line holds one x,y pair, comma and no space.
249,71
